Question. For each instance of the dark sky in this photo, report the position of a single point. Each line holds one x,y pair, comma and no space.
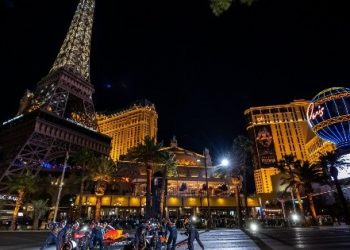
201,71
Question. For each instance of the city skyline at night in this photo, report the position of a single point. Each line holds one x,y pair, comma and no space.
200,71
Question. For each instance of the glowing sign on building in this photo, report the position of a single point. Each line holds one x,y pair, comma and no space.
7,197
313,113
329,116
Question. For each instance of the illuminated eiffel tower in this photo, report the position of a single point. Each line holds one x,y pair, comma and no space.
60,115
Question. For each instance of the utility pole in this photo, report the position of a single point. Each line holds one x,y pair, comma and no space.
60,186
206,151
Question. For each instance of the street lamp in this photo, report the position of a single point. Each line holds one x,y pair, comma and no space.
205,153
224,163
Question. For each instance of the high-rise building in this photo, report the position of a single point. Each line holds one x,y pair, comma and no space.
317,147
278,130
262,179
129,127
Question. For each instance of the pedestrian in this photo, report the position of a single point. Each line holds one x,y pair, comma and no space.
52,237
98,237
172,236
62,234
140,238
193,234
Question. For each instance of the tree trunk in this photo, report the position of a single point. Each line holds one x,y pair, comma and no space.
36,223
300,204
80,204
98,208
312,206
19,202
245,191
149,192
238,202
162,192
342,200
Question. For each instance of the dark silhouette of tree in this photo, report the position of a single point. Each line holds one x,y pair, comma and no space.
330,163
147,153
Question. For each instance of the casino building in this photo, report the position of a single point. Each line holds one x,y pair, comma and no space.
128,127
186,193
279,130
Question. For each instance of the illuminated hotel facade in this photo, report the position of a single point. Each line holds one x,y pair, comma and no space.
277,131
317,147
262,179
186,192
129,127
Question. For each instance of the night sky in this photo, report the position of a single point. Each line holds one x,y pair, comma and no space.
201,71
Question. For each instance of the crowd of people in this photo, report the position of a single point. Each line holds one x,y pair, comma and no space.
61,233
150,234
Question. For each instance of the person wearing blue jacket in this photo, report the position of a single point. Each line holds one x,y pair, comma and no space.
171,234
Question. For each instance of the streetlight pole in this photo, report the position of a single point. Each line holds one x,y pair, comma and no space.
236,184
60,187
206,151
293,201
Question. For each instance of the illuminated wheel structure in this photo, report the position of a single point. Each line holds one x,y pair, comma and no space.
329,116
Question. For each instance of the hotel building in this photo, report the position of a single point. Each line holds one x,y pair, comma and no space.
317,147
262,179
278,130
186,192
129,127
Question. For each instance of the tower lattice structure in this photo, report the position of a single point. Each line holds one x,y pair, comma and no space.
60,116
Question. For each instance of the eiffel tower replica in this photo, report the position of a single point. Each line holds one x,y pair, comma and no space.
60,115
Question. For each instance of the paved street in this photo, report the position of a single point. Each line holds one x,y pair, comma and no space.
306,238
21,240
225,239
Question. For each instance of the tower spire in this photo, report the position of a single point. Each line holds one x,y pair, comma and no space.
75,51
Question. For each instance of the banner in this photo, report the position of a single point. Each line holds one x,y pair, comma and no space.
265,145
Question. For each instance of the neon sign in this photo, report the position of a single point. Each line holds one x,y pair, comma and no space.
6,197
313,113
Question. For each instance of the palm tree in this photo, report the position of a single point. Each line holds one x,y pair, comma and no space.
220,6
23,184
101,173
168,168
330,163
243,152
40,209
146,153
83,160
286,167
306,174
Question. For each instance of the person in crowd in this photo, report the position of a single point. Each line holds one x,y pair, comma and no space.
171,234
52,237
98,235
62,234
193,234
92,234
140,237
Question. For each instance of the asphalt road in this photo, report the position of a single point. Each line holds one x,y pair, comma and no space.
225,239
303,238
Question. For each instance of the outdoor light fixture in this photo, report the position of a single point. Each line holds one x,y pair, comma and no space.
295,217
224,162
194,218
253,226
